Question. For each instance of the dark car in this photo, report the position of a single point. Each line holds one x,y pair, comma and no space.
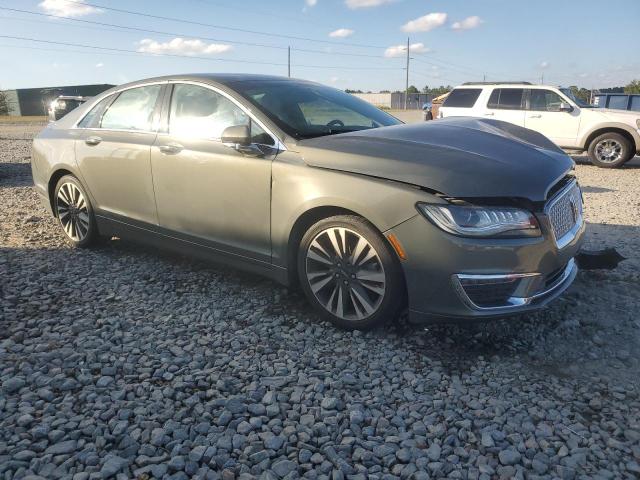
311,186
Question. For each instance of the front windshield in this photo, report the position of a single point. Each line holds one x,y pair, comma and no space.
579,102
308,110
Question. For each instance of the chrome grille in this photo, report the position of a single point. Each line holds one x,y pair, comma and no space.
565,210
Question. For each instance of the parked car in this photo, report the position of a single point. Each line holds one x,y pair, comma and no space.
62,105
611,137
469,218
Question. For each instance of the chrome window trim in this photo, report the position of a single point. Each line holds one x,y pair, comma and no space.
116,92
513,302
278,144
568,237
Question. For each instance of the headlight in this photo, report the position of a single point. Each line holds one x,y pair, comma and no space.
472,221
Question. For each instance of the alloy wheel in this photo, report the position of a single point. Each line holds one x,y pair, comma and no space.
608,150
345,273
73,211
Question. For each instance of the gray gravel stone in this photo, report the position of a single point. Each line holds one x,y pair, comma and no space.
186,370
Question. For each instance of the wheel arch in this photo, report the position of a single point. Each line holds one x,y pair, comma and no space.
54,178
312,216
635,143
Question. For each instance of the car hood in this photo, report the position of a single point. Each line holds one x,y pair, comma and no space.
629,116
460,157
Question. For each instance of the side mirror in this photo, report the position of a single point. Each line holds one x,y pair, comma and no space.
237,135
565,107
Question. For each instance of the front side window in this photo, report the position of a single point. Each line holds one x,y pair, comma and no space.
545,101
506,99
92,119
462,97
200,112
132,110
308,110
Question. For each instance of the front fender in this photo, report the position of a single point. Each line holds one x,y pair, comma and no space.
298,188
587,136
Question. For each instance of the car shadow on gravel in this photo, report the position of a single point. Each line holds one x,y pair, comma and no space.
16,174
592,328
632,164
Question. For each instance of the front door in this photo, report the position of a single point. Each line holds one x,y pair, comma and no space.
544,116
206,189
114,154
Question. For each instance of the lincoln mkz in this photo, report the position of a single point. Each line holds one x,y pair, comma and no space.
458,218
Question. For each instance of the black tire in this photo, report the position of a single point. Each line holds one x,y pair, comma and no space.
83,231
346,274
622,148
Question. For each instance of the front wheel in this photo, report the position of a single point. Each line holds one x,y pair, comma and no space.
610,150
350,274
74,212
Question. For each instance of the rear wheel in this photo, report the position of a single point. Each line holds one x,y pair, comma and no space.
74,212
610,150
350,274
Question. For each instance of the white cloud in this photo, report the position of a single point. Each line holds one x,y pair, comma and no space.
583,75
311,3
355,4
341,33
67,9
334,79
544,64
425,23
467,24
99,65
180,46
401,50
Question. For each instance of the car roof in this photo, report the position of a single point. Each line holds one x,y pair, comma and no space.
227,79
505,85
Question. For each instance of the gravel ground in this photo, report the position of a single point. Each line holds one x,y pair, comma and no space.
124,362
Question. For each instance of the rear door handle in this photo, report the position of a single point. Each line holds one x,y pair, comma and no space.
489,114
92,141
171,148
535,116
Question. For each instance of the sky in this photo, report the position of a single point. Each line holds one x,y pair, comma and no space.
356,44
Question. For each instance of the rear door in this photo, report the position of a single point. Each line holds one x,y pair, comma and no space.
506,104
113,152
543,115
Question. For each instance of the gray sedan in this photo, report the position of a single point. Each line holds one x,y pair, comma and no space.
466,218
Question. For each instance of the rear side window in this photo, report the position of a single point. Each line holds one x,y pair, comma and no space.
133,109
507,99
462,97
92,119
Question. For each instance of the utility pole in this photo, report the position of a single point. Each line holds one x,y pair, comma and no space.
406,91
542,79
289,62
484,77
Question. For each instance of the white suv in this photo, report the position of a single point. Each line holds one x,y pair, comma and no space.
611,137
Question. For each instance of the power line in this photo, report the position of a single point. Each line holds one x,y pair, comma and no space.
175,34
173,55
221,27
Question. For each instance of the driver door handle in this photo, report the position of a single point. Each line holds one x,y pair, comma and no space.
489,114
92,141
171,148
535,116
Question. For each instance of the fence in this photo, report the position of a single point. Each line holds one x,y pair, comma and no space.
395,101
